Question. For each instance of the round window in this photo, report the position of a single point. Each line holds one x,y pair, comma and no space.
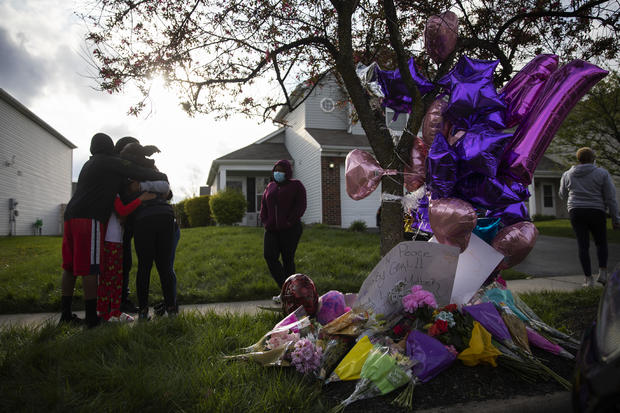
327,105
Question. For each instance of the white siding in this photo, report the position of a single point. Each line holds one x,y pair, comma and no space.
307,168
320,119
362,210
40,177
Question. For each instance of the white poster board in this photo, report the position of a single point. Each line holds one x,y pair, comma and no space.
475,264
431,265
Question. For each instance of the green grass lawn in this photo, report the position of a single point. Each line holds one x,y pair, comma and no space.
562,228
212,264
177,365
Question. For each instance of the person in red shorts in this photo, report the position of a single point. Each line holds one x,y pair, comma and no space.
101,178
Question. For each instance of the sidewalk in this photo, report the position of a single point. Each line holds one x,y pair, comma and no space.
563,283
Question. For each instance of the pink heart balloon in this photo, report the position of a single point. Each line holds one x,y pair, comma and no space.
415,173
440,35
434,122
452,221
515,242
363,174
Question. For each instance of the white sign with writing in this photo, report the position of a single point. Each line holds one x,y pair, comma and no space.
428,264
475,265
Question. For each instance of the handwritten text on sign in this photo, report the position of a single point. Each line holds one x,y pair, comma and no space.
409,263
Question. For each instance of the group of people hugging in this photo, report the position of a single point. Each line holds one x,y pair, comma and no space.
120,195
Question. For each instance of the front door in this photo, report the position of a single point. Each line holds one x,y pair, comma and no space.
548,199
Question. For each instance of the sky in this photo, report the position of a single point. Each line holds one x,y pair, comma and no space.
42,65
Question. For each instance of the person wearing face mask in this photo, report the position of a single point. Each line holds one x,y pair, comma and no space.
282,205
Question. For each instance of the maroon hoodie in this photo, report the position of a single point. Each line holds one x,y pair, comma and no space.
283,204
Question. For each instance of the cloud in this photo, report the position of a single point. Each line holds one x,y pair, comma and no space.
21,74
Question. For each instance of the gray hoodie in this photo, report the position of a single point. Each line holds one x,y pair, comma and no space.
588,186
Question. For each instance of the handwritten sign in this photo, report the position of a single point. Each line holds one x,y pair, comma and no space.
428,264
475,265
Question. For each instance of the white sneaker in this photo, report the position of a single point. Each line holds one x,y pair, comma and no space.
589,282
602,276
276,299
123,318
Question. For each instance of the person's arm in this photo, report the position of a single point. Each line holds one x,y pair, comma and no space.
563,190
125,209
161,187
263,207
609,196
300,204
130,170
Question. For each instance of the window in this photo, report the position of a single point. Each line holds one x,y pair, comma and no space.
398,124
235,185
547,196
261,184
327,105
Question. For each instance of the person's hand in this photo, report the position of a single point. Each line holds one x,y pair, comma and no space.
147,196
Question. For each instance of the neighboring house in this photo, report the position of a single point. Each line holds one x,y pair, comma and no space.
316,138
35,171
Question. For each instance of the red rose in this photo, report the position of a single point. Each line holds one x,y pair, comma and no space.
451,308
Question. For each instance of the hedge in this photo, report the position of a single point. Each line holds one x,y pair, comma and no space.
228,207
198,211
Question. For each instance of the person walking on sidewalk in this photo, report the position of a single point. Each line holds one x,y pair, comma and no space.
589,190
282,205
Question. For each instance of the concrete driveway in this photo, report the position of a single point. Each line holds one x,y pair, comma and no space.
558,256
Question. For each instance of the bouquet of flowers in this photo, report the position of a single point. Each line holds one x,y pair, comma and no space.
306,357
384,371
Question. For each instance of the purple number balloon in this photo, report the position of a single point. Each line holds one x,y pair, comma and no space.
521,91
440,35
558,96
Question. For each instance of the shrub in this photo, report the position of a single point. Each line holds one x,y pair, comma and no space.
181,214
540,217
198,211
358,226
228,206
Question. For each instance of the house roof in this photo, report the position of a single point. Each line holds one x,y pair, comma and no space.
338,138
260,151
30,115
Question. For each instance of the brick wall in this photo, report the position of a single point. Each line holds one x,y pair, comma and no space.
330,186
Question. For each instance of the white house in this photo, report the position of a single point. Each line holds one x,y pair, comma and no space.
35,171
316,138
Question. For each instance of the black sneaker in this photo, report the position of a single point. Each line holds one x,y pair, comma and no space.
143,315
74,320
159,309
128,307
96,322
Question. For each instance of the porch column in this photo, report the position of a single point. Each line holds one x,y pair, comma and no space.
532,201
222,185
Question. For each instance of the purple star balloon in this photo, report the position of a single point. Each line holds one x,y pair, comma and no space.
441,166
490,193
472,93
480,150
396,94
510,214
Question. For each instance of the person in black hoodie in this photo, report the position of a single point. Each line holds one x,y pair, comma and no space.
127,305
101,178
154,239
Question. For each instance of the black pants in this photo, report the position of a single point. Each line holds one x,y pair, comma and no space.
127,236
153,236
283,243
584,222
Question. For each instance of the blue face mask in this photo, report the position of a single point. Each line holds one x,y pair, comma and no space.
279,176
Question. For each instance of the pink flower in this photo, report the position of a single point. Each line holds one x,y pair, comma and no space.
418,298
